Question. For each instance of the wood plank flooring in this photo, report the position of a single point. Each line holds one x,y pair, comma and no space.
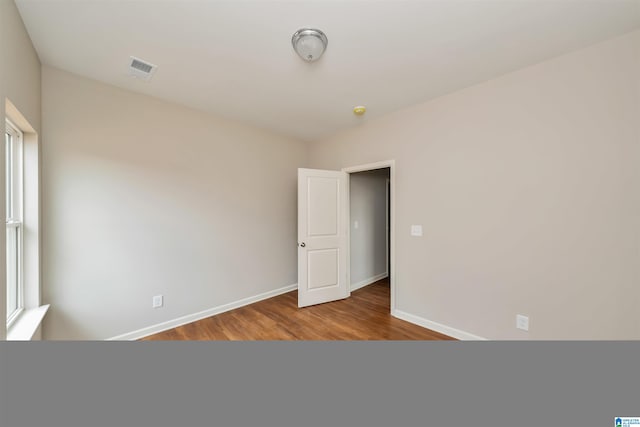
363,316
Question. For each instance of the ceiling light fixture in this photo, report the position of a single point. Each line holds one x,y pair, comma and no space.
309,43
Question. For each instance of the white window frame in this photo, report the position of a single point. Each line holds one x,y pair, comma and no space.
15,218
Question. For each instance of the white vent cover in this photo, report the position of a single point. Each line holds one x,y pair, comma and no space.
141,69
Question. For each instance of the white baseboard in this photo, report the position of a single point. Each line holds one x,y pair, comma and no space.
435,326
174,323
370,280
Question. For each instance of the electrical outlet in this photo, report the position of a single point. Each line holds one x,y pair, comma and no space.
416,230
522,322
158,301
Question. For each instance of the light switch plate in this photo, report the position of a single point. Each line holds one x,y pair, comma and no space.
158,301
416,230
355,224
522,322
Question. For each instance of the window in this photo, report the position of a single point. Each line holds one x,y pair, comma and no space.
13,191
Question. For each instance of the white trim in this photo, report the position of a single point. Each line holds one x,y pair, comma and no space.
25,327
391,164
13,129
369,281
30,213
369,166
16,196
435,326
387,230
183,320
13,317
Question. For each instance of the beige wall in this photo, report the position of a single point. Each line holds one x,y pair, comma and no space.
145,197
368,242
20,83
528,189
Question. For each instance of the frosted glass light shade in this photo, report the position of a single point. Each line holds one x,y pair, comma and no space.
309,43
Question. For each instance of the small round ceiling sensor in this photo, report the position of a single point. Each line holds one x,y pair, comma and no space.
359,110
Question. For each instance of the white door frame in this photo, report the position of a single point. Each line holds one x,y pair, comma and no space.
391,164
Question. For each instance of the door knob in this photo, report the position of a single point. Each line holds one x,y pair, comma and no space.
302,245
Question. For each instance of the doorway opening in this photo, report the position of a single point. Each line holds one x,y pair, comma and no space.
324,234
371,230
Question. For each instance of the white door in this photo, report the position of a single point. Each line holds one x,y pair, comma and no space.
322,236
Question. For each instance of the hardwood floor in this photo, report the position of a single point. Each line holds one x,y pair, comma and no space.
363,316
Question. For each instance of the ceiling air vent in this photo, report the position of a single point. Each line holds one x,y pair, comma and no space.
141,69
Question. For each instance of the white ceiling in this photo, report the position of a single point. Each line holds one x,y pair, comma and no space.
234,58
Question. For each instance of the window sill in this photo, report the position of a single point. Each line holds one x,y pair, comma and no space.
25,326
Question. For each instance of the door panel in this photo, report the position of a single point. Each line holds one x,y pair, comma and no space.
322,268
323,205
322,236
